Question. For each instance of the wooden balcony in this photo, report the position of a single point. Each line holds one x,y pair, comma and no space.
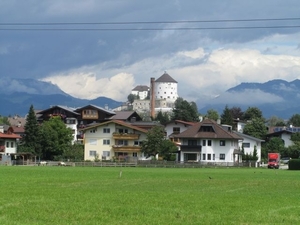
126,136
126,148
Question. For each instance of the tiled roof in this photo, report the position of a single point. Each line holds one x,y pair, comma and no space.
182,122
96,107
217,131
66,108
124,115
141,88
9,136
166,78
122,123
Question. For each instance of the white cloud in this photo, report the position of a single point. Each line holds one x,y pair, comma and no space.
247,97
87,86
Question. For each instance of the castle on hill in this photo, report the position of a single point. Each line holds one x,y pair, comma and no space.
160,96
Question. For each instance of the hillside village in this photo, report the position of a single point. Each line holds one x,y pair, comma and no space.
110,134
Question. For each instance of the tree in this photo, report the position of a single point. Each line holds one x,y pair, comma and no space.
252,112
56,138
226,117
74,153
154,141
212,114
4,120
256,128
236,113
294,120
163,118
184,110
167,150
275,121
132,97
31,142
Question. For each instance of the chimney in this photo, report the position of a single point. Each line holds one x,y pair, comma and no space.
152,97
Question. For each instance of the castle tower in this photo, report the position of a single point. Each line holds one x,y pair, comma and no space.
165,88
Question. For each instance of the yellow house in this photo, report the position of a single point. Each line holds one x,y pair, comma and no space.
113,139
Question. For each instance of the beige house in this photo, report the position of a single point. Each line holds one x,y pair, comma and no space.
114,139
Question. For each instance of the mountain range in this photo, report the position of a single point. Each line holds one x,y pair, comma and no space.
274,98
19,94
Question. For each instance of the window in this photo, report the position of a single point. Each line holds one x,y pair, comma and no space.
122,142
11,144
176,130
203,142
7,144
123,131
93,153
93,131
222,142
106,142
208,156
203,157
192,142
137,143
222,156
246,145
208,142
134,154
93,142
106,153
106,130
214,157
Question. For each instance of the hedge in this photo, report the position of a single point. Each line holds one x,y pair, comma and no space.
294,164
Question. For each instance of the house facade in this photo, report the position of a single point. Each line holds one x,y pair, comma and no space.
250,143
8,143
209,142
114,139
284,133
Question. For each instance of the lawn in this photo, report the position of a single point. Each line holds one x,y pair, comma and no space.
98,195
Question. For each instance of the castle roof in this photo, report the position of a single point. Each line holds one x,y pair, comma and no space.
166,78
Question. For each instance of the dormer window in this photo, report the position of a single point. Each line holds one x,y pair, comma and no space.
206,129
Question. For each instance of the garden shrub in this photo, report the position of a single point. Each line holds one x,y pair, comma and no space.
294,164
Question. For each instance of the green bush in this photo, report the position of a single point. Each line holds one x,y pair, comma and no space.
294,164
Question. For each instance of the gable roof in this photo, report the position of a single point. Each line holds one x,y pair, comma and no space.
182,122
95,107
165,78
217,131
125,115
141,88
248,136
66,108
122,123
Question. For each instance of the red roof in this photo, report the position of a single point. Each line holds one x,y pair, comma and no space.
9,136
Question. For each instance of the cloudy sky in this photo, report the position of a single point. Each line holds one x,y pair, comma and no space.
93,48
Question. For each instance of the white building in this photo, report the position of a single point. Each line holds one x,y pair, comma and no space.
249,143
165,88
142,91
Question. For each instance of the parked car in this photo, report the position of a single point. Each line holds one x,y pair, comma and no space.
285,160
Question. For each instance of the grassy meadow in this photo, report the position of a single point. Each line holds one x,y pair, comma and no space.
98,195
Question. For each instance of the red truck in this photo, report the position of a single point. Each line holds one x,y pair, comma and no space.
273,160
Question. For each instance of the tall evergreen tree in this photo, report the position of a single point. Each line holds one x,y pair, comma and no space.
31,140
226,117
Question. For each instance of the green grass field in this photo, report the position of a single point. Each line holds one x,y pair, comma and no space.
98,195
